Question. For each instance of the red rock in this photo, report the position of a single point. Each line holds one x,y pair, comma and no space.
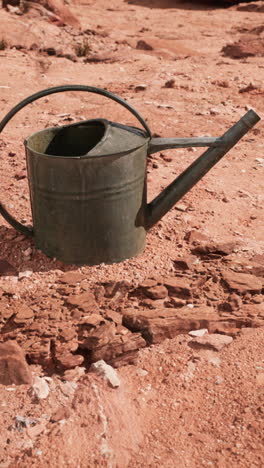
63,412
99,293
157,292
185,263
243,265
241,49
253,310
100,336
114,316
141,87
13,366
175,302
258,299
120,348
66,290
77,315
71,278
114,287
258,259
181,206
93,320
55,315
158,324
24,314
143,45
195,237
178,286
234,302
85,301
148,283
129,358
69,361
214,341
214,248
170,83
256,269
6,269
21,175
68,334
152,304
242,282
39,352
109,341
73,375
64,347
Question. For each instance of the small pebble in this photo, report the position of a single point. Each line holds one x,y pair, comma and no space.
27,252
216,361
25,274
142,372
214,111
200,332
219,380
40,388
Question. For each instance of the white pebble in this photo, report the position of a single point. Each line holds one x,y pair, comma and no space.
107,372
200,332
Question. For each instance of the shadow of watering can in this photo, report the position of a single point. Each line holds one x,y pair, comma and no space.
88,182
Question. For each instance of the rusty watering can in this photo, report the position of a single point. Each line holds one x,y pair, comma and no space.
88,182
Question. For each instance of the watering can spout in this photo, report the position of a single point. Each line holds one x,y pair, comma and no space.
218,147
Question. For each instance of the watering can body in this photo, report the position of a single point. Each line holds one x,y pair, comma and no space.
88,208
88,183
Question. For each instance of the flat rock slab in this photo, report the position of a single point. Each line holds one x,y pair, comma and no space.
213,341
13,366
242,282
158,324
85,301
214,248
24,313
72,278
157,292
178,286
185,263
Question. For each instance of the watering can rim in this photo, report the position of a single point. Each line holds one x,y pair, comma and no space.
93,153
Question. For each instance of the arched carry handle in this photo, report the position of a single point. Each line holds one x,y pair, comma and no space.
59,89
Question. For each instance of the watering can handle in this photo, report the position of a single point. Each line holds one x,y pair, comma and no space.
59,89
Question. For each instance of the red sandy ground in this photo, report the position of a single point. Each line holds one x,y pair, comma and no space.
186,410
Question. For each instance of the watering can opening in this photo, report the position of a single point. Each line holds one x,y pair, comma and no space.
98,137
74,140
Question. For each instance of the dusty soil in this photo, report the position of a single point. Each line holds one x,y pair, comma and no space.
191,69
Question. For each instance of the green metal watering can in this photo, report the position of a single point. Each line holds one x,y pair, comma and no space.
88,182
